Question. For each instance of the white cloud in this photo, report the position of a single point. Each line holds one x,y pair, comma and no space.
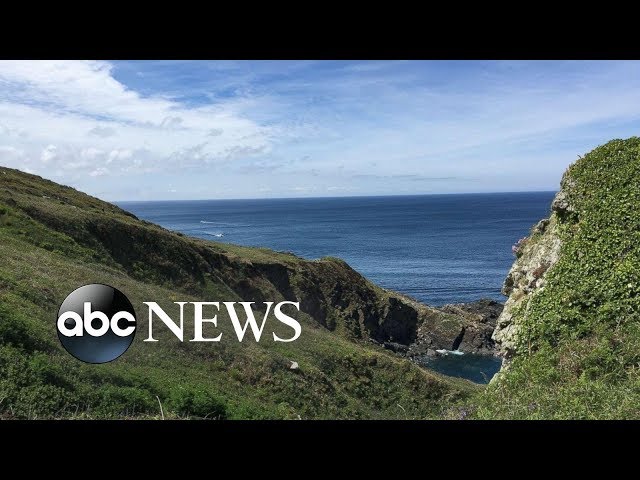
101,131
83,87
8,150
91,153
11,156
123,154
99,172
74,115
48,153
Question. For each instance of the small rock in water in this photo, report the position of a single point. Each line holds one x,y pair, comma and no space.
294,366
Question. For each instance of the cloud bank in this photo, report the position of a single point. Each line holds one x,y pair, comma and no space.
76,120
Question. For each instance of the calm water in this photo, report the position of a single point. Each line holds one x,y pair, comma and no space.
436,248
474,367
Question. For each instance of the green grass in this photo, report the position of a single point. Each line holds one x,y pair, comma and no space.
580,335
54,239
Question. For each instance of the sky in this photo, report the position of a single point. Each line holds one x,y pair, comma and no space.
162,130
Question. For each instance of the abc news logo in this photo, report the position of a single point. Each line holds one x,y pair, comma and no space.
97,323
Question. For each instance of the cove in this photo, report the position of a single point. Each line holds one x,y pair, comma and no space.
472,366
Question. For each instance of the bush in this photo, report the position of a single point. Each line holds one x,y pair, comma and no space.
115,401
16,330
23,393
37,401
196,401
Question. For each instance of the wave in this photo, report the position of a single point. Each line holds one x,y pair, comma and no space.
220,234
223,224
447,352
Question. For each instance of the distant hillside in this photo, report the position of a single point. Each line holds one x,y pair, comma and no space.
54,239
571,325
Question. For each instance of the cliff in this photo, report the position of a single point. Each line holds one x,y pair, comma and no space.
54,239
570,329
536,255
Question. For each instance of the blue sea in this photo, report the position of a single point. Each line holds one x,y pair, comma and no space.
437,249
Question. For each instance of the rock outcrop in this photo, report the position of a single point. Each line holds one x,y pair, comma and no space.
536,255
466,326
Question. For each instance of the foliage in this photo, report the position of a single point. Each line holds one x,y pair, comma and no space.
54,239
582,331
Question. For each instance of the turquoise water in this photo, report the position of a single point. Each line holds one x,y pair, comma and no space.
477,368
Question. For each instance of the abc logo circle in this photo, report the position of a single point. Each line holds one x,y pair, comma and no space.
96,323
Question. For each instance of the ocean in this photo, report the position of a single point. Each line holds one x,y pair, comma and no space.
437,249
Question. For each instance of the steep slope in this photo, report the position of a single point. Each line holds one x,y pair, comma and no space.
54,239
570,329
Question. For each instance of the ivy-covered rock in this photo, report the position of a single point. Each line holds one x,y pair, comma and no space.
571,325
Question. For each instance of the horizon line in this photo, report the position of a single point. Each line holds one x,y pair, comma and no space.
333,197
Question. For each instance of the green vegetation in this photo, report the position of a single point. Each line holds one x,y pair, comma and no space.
579,338
54,239
577,341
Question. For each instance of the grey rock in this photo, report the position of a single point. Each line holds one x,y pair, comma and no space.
528,274
396,347
561,203
465,326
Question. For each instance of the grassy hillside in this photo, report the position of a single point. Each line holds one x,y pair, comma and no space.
574,330
54,239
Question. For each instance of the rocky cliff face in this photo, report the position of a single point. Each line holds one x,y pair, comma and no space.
536,255
465,326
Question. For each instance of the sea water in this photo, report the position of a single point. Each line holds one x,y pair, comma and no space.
437,249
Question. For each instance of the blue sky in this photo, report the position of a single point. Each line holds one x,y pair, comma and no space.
143,130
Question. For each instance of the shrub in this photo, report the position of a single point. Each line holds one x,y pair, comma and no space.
116,401
16,330
196,401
